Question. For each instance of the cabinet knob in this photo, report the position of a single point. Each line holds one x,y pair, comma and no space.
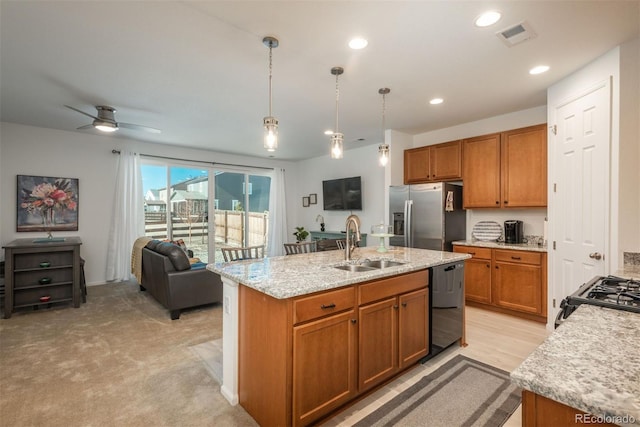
395,306
506,202
404,304
497,202
353,321
488,265
497,268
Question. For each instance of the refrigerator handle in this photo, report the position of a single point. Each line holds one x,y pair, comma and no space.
408,223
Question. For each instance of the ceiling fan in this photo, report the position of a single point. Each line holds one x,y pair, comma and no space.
106,121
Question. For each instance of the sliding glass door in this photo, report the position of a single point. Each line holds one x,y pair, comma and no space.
179,200
242,210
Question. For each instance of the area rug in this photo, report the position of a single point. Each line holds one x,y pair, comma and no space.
462,392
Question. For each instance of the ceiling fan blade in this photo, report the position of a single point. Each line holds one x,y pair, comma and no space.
138,127
86,127
81,112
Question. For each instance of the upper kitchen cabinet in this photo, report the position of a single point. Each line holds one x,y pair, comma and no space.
524,167
481,172
506,170
440,162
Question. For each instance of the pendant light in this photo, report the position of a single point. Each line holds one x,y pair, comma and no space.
383,149
337,138
270,123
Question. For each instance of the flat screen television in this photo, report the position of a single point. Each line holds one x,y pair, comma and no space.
344,194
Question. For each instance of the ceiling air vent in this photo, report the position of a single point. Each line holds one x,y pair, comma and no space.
516,34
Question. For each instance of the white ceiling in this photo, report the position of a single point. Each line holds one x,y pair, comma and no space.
198,69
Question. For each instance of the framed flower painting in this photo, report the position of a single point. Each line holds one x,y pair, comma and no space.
47,203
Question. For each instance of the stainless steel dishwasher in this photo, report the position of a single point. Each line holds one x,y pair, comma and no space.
446,305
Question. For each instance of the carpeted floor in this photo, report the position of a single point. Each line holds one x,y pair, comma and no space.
462,392
118,360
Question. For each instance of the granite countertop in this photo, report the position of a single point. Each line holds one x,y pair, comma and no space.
590,363
501,245
294,275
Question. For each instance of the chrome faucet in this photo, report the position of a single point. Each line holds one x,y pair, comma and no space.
350,244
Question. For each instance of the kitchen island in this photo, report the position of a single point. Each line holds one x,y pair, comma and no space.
588,365
296,329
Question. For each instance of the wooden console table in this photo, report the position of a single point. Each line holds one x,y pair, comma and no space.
39,273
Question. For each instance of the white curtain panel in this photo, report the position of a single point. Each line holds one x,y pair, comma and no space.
277,234
127,221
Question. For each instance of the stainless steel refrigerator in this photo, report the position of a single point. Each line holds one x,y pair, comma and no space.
427,216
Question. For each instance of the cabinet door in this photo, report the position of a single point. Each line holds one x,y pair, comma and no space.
413,327
416,165
524,167
378,342
481,172
445,161
517,287
477,280
324,366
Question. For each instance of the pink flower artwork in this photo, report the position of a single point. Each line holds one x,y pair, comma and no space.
47,203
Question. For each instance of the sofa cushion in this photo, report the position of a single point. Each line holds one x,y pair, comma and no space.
152,244
175,254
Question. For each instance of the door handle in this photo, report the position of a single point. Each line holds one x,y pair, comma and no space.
595,255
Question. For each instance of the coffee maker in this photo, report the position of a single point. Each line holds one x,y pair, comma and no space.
513,231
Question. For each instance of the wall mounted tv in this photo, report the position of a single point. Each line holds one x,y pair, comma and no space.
342,194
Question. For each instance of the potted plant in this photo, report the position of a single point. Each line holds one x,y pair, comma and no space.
301,234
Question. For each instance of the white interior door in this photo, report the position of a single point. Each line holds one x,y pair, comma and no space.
580,202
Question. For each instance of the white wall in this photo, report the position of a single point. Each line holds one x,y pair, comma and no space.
28,150
533,218
361,162
629,164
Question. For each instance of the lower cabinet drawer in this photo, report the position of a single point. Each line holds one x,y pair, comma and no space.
475,251
316,306
518,256
27,297
42,276
396,285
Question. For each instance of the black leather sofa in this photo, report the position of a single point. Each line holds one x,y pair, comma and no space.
176,284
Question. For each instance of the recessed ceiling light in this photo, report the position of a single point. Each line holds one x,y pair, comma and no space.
358,43
488,18
539,69
328,132
436,101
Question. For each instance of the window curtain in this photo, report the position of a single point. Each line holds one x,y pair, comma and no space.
127,219
277,214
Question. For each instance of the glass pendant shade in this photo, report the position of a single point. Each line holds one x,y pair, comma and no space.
383,154
383,149
270,123
336,145
270,133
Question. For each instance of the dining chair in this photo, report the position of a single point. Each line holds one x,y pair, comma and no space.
300,248
238,254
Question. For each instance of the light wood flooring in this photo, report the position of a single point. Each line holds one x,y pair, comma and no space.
496,339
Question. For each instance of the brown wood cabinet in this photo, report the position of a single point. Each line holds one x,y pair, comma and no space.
302,358
393,335
506,170
539,411
477,274
440,162
509,281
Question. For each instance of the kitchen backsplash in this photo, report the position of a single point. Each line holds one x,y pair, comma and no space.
533,219
631,258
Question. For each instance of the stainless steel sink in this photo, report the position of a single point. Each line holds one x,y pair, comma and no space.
382,263
355,267
369,265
